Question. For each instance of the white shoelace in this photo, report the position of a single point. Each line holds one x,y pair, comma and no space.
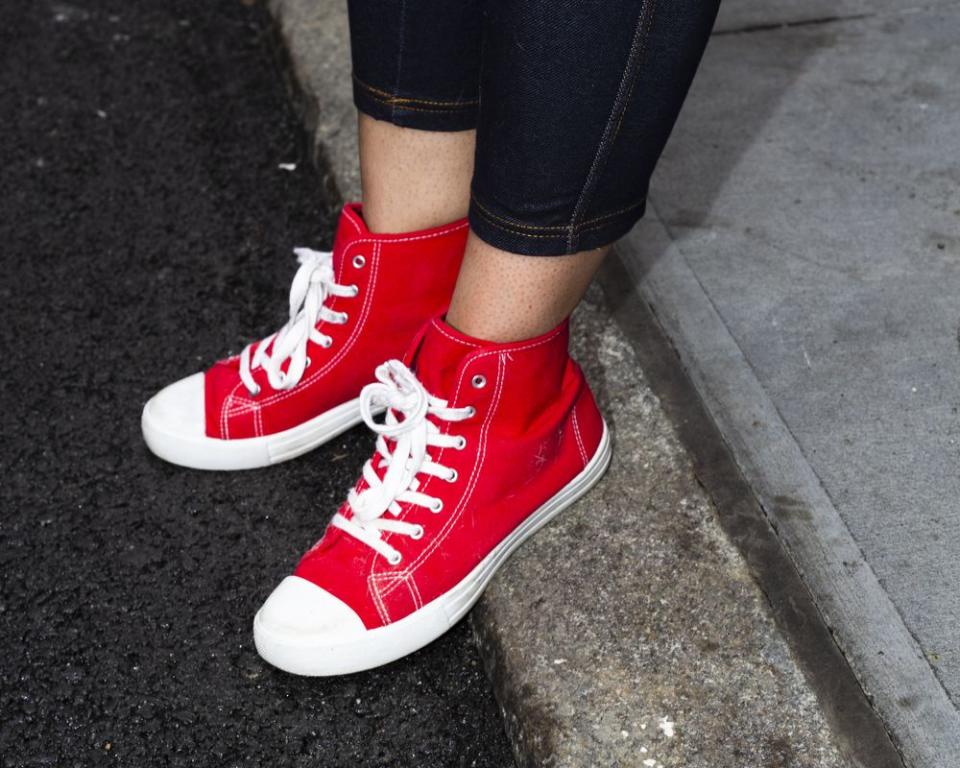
312,286
400,391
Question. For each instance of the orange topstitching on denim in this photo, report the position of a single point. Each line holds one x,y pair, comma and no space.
386,97
551,231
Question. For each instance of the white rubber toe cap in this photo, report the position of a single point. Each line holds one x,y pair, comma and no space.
178,409
298,620
174,428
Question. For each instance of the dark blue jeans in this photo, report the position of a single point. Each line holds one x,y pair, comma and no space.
572,100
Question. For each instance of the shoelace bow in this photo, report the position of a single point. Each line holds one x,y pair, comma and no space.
398,389
313,284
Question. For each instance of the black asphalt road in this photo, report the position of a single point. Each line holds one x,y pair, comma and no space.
145,229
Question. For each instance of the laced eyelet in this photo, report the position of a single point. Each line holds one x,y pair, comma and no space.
471,411
355,290
479,381
359,261
437,506
255,391
417,533
461,443
452,477
395,558
343,318
326,343
308,363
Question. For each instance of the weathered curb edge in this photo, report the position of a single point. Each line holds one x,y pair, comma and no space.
763,733
323,85
858,727
860,614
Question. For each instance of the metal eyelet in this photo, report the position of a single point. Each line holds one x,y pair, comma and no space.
359,261
471,411
479,381
452,477
326,343
395,558
343,318
461,443
255,391
308,363
437,506
355,290
417,534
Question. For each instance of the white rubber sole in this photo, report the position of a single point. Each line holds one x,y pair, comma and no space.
202,452
323,655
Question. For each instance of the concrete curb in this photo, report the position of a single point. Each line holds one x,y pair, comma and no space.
865,623
742,202
648,643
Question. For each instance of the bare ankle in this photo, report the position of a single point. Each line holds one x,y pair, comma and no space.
505,297
413,179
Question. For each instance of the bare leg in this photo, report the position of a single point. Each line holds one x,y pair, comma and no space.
416,179
413,179
504,297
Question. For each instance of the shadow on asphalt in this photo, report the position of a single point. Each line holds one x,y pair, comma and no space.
145,229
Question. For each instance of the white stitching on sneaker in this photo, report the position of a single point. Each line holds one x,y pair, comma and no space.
576,433
349,215
414,591
451,520
379,594
257,422
403,396
313,284
224,420
453,338
351,340
373,584
318,374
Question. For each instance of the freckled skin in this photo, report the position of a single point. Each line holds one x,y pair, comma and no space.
413,179
417,179
503,297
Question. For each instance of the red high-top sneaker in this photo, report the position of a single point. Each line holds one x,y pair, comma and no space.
349,311
479,449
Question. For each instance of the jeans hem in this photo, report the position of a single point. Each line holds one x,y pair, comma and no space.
409,112
527,239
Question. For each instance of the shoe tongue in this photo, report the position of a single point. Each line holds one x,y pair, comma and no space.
441,352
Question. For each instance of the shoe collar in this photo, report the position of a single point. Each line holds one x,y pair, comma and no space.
446,360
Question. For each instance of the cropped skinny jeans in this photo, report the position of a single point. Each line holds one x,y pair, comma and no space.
572,101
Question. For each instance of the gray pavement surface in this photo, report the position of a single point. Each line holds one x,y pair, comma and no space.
763,15
657,617
802,253
630,630
145,229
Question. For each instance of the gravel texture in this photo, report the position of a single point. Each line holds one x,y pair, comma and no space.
145,228
630,632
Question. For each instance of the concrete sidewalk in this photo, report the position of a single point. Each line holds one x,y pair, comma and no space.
655,646
803,257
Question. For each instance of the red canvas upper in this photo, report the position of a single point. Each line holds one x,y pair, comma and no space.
536,426
404,280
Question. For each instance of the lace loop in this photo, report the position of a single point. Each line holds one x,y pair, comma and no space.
408,404
312,285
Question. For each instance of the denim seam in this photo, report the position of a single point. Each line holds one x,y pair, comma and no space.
587,224
401,108
608,220
402,33
612,128
388,98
